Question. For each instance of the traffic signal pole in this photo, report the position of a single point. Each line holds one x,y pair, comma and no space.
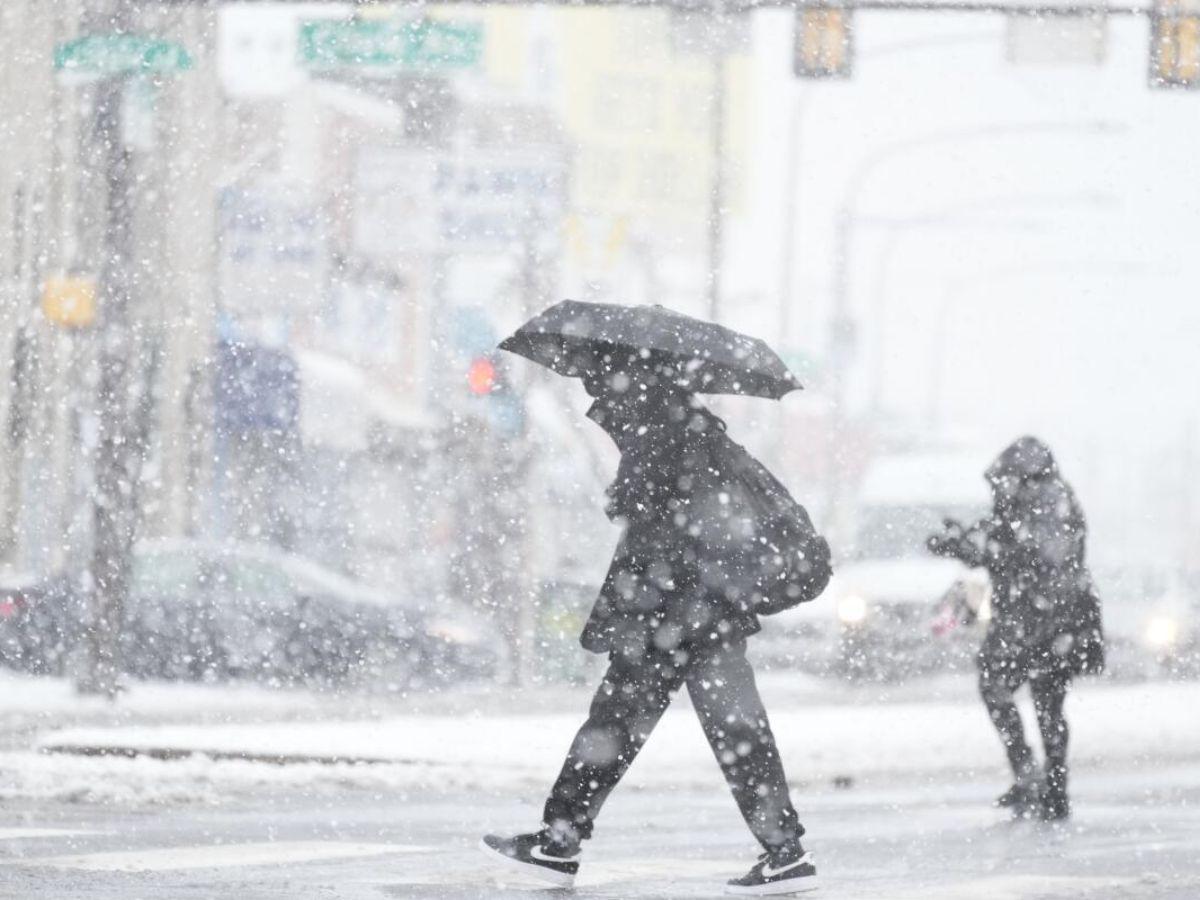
716,196
733,7
117,461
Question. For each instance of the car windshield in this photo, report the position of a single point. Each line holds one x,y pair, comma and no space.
256,583
897,532
165,575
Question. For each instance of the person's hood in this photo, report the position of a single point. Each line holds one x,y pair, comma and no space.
661,417
1025,458
615,426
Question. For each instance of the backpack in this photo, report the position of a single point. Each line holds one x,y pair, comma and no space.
769,551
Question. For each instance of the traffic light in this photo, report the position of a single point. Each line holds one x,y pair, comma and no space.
498,405
824,41
1175,44
481,376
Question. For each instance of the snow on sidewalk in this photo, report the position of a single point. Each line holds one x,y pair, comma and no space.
28,701
1139,724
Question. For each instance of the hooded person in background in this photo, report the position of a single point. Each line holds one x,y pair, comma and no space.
675,609
1045,624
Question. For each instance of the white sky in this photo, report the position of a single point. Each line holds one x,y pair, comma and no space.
1067,259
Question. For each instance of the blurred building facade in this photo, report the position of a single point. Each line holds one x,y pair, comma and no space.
334,243
53,195
636,92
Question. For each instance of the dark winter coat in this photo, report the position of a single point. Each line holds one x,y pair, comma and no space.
676,579
1045,610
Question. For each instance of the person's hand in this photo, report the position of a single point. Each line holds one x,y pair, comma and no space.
953,529
938,545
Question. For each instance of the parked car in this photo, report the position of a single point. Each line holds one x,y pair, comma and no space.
32,619
207,611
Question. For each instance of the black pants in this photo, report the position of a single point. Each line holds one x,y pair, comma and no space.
999,678
628,704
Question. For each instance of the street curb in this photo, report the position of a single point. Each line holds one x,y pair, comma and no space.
179,753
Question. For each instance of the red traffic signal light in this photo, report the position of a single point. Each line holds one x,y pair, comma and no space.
481,377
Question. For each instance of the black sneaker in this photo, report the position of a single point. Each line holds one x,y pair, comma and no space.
786,872
535,855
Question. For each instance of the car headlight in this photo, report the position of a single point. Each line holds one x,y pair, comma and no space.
851,609
454,632
1162,631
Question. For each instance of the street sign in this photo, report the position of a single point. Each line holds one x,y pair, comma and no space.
490,200
1050,39
476,200
274,255
824,42
390,44
98,55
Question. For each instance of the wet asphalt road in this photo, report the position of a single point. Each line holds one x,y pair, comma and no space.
1136,833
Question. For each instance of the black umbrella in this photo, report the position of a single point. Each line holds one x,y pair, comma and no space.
573,337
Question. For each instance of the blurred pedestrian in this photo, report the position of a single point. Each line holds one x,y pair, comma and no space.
1045,623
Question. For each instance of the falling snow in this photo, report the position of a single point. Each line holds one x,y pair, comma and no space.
402,408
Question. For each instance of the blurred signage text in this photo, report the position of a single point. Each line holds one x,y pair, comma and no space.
390,44
416,201
274,256
98,55
496,199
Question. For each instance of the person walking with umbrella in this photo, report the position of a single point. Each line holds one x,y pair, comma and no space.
1045,625
710,541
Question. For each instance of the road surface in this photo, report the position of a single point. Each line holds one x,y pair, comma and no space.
1136,834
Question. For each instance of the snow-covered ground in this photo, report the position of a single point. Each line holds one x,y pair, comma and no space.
893,782
827,734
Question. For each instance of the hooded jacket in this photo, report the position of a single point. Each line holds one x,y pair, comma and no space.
658,591
1044,605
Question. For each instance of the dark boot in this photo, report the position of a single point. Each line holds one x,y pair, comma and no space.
1023,798
1049,694
1056,805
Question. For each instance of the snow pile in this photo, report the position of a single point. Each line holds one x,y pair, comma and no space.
821,744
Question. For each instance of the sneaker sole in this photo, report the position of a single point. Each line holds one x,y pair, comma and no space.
809,883
558,879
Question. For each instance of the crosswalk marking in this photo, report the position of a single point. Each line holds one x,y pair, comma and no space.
19,834
166,859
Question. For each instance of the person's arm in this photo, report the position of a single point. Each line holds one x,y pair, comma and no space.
969,545
1052,532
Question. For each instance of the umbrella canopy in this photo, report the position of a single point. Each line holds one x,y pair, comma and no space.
573,338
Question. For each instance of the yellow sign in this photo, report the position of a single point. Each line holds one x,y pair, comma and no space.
69,301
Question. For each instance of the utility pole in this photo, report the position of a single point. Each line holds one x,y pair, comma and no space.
118,450
842,338
716,196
